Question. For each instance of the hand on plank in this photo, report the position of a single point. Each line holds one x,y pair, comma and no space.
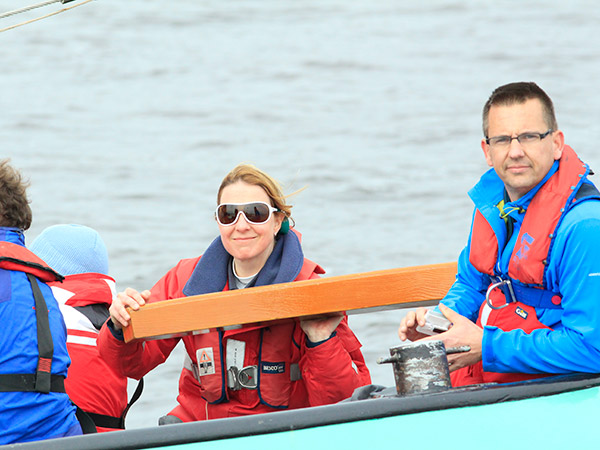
130,298
320,328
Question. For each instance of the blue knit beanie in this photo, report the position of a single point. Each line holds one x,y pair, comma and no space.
71,249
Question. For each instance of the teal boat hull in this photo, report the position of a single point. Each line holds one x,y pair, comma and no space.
550,413
555,422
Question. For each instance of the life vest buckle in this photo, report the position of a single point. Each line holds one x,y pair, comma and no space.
507,289
246,378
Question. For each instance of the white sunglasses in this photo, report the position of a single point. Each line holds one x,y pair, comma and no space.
256,213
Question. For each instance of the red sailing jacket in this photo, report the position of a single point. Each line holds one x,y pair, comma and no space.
262,347
329,372
535,239
91,383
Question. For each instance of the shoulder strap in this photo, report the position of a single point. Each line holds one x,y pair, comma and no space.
136,395
586,190
44,337
97,313
43,380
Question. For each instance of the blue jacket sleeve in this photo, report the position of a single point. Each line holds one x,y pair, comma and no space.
468,291
573,343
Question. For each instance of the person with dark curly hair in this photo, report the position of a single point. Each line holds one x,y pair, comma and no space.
33,340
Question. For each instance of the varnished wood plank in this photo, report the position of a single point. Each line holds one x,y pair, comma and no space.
355,293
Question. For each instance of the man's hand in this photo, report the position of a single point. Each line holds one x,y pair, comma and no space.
463,332
409,323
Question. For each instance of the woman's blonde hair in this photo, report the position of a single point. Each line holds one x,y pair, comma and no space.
252,175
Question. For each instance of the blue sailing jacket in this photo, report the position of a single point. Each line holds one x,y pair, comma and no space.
30,416
573,342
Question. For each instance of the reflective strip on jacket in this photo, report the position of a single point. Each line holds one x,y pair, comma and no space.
92,384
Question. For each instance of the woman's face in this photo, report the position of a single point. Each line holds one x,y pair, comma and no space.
250,244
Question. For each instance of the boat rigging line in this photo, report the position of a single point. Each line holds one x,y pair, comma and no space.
38,5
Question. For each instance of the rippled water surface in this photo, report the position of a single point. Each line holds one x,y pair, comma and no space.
126,116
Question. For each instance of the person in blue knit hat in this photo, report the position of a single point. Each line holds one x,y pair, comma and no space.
79,253
70,249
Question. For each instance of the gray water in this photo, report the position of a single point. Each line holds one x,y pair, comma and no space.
126,116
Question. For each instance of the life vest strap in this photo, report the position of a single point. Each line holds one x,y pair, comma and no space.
44,337
27,382
104,421
134,398
530,296
538,298
247,377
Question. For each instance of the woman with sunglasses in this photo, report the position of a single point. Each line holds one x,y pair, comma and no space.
250,369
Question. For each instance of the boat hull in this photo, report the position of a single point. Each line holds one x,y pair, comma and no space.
555,412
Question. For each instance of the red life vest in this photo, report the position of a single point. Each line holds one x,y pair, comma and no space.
528,260
16,257
527,264
277,363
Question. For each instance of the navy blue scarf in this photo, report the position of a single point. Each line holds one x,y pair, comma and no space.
211,272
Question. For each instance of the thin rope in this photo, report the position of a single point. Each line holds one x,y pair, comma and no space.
47,15
505,212
27,8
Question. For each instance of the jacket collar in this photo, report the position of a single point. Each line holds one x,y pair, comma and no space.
12,235
211,272
490,189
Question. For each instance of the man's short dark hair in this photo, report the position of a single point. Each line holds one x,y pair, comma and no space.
516,93
14,206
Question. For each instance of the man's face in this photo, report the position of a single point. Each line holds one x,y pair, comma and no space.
521,166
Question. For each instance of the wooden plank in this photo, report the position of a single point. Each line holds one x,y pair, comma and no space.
356,293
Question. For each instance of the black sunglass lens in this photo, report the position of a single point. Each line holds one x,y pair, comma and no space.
227,214
256,212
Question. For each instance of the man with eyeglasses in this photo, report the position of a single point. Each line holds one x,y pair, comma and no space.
526,294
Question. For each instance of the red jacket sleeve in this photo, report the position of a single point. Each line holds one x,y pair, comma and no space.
135,359
332,370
